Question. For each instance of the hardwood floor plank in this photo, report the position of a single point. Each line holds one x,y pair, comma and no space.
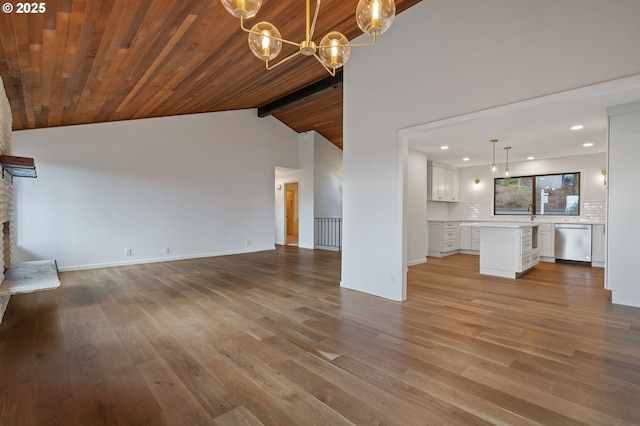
201,384
545,400
301,405
414,406
51,365
474,404
238,388
238,416
333,396
16,404
271,338
177,406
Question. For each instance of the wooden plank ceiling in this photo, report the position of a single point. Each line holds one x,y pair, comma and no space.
90,61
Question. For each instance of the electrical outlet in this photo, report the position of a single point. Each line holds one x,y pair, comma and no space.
165,250
127,252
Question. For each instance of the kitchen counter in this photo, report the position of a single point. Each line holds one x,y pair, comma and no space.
508,249
467,240
537,221
517,225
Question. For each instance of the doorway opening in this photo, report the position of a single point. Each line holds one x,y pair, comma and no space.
291,213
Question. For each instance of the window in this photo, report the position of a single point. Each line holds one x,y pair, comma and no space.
557,194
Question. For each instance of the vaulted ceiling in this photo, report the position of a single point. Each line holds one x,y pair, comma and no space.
90,61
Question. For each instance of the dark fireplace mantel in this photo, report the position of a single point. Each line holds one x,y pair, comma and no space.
18,166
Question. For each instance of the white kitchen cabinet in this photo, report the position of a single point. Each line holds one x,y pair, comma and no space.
508,250
546,243
470,237
443,182
465,237
475,238
598,245
443,238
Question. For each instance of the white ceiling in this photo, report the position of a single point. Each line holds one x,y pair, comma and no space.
538,127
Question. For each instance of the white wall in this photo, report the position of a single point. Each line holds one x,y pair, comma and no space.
416,207
306,145
624,204
199,184
443,59
320,179
327,178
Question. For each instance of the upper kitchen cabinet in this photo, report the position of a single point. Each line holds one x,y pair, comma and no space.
443,182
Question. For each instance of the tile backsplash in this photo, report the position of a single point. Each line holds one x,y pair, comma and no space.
593,211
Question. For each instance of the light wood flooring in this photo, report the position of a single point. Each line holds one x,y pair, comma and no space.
270,338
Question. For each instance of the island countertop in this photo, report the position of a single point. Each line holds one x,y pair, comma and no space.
517,225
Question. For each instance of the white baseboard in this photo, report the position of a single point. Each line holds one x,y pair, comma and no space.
159,259
328,248
626,298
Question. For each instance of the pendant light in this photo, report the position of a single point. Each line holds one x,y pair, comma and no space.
506,170
493,164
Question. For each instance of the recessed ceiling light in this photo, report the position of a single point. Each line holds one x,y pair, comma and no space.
531,158
577,127
466,159
444,147
588,144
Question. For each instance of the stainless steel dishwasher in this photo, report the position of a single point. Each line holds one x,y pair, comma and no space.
573,243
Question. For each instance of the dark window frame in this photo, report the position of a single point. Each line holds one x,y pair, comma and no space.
534,190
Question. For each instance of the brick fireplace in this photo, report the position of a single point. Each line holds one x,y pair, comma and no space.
6,191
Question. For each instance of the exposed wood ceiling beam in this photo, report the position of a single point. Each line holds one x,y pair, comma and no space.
300,96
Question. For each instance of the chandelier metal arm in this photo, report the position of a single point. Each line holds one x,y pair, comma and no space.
331,71
315,19
277,64
371,43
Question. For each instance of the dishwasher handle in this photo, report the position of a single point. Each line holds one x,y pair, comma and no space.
571,226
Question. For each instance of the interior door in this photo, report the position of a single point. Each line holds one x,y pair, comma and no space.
290,212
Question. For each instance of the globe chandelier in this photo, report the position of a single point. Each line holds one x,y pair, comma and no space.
374,17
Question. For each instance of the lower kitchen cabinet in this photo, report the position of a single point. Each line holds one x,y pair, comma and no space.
465,237
469,238
546,245
598,245
443,238
507,250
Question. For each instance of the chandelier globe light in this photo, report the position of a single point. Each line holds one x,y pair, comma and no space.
338,53
242,8
375,16
265,41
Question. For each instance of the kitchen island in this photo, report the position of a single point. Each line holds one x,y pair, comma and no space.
508,249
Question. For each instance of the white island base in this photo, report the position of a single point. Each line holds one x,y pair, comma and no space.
508,250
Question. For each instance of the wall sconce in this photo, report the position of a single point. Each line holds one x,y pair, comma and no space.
477,182
604,177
